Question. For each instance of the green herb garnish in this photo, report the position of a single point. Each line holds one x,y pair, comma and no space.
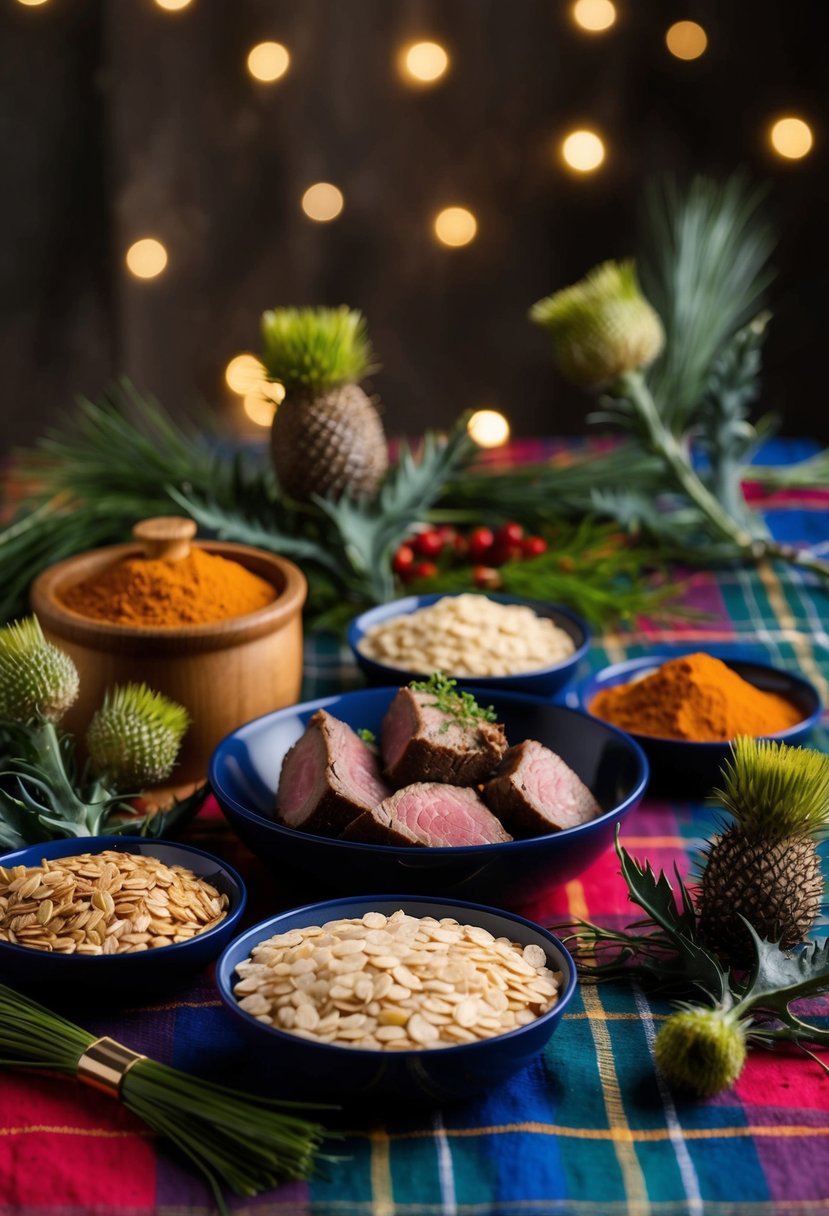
367,736
461,706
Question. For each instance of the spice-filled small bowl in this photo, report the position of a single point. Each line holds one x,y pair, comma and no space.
571,642
423,1010
224,671
684,766
126,879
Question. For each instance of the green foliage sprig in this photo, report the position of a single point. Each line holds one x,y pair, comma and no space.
315,349
123,459
231,1138
460,706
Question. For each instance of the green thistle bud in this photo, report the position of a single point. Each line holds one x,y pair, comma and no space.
37,681
701,1050
134,738
601,327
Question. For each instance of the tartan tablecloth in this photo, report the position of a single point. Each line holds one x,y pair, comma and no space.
588,1130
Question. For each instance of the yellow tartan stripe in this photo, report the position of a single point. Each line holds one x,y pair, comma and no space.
616,1017
382,1195
633,1179
102,1133
169,1005
799,640
621,1135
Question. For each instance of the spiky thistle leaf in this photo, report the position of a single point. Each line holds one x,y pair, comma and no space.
314,349
775,792
37,680
134,738
602,326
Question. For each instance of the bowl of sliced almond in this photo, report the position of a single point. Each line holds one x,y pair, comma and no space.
395,996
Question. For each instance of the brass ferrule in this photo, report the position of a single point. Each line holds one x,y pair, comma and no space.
104,1065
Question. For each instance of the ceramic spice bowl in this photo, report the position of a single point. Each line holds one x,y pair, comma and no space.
224,672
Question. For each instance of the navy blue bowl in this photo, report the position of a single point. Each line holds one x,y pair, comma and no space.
147,969
681,767
244,774
348,1074
543,682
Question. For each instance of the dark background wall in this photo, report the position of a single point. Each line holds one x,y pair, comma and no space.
119,120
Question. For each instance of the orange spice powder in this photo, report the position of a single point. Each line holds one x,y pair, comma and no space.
696,698
156,592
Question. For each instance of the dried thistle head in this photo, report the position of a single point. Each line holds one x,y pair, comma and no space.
315,349
37,680
134,738
602,326
701,1050
774,791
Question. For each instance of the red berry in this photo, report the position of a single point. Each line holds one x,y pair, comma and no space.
502,553
403,560
460,546
510,534
428,544
480,543
486,577
447,534
534,546
425,570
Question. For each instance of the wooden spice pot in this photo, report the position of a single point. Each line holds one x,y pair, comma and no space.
224,673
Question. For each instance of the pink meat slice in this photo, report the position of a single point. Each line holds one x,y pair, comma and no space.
328,778
431,814
423,743
534,792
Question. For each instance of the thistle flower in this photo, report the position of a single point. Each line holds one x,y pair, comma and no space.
134,738
601,327
314,349
702,1050
37,681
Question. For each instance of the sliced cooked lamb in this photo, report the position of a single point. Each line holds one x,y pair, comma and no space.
428,813
534,792
421,742
329,777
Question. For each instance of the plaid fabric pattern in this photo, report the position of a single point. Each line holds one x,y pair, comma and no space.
590,1129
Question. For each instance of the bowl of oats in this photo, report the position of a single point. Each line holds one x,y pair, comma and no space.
395,996
494,641
114,913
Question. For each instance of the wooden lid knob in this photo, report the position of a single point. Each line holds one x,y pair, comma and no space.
165,536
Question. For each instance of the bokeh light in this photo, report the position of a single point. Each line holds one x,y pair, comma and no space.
146,258
488,428
259,409
583,151
455,226
594,15
791,137
173,6
267,61
424,62
244,373
686,40
322,202
31,3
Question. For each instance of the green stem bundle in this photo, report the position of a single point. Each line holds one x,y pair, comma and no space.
249,1144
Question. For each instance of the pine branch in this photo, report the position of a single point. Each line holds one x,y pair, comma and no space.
704,265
